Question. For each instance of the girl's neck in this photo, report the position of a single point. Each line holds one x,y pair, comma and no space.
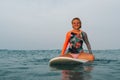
76,30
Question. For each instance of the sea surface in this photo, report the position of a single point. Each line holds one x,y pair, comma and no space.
34,65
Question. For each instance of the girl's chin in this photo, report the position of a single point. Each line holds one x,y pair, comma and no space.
76,28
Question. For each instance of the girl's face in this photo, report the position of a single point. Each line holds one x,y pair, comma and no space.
76,24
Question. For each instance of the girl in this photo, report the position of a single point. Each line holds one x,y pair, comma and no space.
75,39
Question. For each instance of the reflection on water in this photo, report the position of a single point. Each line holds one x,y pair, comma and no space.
76,74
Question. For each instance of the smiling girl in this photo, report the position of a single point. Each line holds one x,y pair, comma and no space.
75,39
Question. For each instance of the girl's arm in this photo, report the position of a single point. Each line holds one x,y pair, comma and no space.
65,43
85,38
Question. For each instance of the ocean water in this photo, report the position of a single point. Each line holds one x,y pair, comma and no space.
34,65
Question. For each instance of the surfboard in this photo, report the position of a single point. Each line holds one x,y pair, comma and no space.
68,62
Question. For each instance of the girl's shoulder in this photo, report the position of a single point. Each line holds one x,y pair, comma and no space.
69,32
84,33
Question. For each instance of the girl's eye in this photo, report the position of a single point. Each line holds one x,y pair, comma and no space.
76,23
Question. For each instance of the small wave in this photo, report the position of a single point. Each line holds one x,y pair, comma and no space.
21,68
40,60
44,74
104,61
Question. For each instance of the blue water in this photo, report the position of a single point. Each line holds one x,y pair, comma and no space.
33,65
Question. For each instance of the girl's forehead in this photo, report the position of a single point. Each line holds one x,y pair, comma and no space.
76,20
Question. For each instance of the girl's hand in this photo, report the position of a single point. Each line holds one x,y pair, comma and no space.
61,54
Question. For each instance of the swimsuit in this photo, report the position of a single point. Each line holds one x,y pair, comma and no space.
76,43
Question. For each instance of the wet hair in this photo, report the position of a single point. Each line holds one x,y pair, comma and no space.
76,18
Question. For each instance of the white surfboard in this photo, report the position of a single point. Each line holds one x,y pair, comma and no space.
66,62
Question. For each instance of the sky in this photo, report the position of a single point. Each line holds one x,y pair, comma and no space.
42,24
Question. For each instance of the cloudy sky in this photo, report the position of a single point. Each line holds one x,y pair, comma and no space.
42,24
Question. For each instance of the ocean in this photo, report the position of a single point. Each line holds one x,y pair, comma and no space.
34,65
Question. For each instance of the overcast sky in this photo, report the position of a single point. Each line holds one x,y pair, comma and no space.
42,24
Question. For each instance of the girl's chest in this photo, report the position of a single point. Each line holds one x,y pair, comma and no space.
75,36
